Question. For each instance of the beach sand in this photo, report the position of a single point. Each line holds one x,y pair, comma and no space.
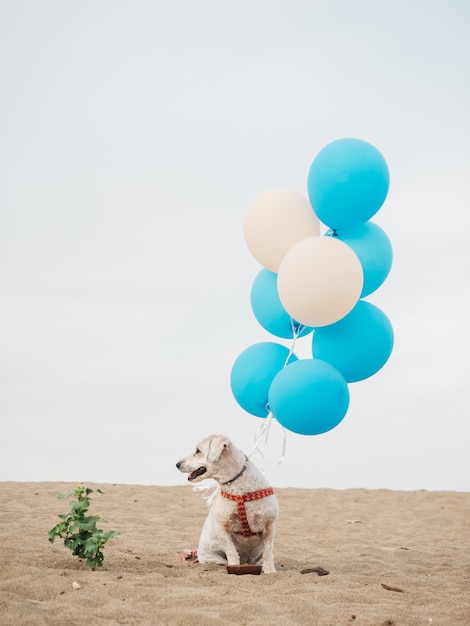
393,558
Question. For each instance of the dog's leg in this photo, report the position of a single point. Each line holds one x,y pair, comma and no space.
216,544
233,557
223,552
210,549
207,555
268,549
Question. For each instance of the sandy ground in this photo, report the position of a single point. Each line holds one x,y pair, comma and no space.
393,558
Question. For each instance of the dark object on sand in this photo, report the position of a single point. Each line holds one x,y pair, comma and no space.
244,569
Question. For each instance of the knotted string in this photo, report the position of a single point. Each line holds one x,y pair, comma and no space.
209,490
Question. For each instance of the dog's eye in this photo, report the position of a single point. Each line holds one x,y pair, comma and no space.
197,451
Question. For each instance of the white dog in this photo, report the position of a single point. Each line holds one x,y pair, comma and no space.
240,526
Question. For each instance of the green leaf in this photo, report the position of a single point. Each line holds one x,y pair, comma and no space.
82,505
110,534
68,494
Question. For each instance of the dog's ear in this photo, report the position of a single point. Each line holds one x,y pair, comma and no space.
217,445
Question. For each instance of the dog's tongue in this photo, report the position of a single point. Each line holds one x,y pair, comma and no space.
196,473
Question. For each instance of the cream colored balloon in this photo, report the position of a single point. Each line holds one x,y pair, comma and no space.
319,281
275,221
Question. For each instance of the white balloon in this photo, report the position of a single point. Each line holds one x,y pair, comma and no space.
275,221
319,281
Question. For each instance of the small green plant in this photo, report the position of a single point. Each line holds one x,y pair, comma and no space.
79,531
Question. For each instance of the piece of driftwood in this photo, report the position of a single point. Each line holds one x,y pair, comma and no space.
388,588
244,569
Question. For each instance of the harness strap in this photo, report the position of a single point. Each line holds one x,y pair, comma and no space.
240,500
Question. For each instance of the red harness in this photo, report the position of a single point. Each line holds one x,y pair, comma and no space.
240,500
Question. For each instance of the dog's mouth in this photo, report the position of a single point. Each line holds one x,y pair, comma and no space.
198,472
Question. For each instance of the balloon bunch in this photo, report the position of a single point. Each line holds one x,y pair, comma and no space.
313,285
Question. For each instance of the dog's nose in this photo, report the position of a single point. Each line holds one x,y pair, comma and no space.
178,465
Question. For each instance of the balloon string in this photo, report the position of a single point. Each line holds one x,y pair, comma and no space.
209,489
262,435
284,444
261,438
296,331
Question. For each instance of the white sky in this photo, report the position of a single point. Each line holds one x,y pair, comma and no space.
133,136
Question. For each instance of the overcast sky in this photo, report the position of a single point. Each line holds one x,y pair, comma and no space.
133,136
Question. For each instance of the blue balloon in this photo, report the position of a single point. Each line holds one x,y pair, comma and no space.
373,247
358,345
348,182
309,397
269,311
253,372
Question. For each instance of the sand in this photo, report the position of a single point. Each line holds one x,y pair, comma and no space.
392,558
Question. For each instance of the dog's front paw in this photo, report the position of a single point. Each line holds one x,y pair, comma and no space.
269,569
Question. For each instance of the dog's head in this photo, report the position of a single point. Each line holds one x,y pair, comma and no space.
204,461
